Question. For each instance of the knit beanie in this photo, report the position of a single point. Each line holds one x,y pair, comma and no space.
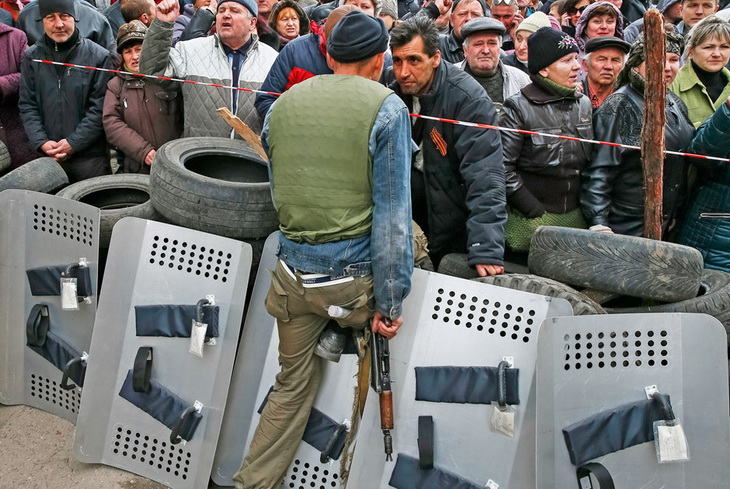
534,22
251,5
47,7
546,46
357,37
390,7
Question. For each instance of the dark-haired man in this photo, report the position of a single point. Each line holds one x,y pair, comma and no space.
457,178
341,189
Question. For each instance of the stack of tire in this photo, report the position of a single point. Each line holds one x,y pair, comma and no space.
610,273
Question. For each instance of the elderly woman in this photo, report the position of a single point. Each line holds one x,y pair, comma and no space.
542,172
612,193
288,19
704,83
598,19
711,235
370,7
139,116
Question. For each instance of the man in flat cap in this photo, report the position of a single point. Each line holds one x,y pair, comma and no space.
233,56
604,59
60,106
341,188
482,43
457,177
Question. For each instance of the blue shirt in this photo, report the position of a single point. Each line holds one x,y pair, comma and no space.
387,252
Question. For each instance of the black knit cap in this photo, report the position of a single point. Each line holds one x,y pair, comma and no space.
356,37
47,7
546,46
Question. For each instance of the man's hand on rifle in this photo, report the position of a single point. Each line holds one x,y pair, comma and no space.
386,327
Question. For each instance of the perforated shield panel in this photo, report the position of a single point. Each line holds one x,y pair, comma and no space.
256,368
38,230
151,264
590,364
454,322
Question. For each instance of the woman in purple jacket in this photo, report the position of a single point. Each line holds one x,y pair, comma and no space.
12,46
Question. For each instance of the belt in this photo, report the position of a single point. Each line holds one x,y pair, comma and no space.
311,280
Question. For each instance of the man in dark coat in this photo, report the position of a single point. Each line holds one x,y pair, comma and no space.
457,178
61,107
12,48
89,21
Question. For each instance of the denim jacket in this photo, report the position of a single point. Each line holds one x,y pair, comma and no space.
387,252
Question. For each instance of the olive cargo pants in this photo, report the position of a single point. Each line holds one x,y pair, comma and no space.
301,315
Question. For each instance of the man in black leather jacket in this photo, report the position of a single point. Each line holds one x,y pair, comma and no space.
457,179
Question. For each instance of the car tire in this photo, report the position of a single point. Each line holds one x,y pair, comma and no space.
713,299
627,265
544,286
215,185
117,196
40,175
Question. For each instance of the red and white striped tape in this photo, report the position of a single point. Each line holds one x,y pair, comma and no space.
440,119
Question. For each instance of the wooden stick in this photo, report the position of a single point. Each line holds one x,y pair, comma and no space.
652,132
244,131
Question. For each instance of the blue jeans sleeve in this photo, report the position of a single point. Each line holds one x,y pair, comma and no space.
391,240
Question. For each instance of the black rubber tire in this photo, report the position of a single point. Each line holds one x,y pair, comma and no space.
215,185
627,265
41,175
582,305
117,196
456,265
713,299
4,157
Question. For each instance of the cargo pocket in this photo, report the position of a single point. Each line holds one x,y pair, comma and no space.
362,309
277,300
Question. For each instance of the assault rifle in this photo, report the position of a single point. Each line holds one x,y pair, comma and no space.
380,380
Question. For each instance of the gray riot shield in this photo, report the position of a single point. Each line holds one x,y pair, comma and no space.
598,385
151,406
43,340
253,376
445,365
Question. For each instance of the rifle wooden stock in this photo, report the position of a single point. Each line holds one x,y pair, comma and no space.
386,410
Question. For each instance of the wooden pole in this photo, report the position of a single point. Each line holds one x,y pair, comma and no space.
652,132
244,131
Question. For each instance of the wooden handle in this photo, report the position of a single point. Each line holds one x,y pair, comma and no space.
244,131
386,410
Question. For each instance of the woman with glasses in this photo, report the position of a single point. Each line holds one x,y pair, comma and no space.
289,21
542,172
568,13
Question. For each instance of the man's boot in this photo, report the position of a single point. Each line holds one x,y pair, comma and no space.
332,342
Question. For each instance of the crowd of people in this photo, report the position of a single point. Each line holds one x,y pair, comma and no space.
483,192
350,167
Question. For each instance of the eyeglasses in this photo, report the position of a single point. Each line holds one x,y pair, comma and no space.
505,2
575,11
